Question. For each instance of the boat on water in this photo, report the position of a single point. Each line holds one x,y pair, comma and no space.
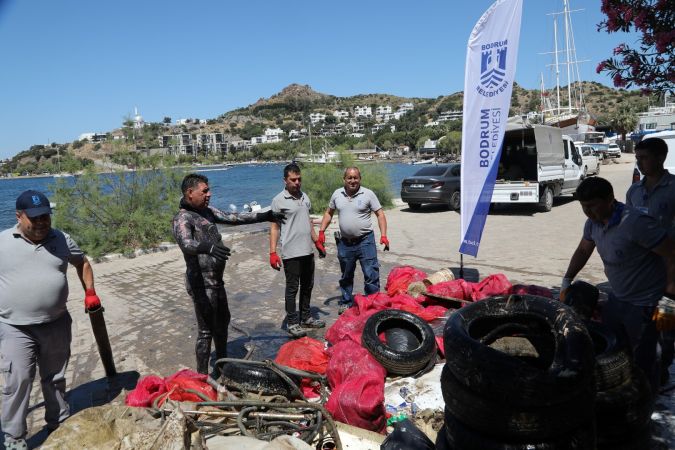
62,175
423,161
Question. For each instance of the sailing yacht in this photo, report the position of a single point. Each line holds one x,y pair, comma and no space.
570,115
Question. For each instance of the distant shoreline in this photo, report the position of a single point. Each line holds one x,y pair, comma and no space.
196,168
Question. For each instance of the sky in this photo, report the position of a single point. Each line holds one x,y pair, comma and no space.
69,67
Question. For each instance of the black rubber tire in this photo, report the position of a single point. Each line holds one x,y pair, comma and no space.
460,437
502,420
613,360
546,200
399,362
624,411
455,201
414,206
547,380
255,378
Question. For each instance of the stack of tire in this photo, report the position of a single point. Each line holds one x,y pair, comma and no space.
623,404
538,395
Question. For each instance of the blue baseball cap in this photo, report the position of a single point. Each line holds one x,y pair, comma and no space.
33,203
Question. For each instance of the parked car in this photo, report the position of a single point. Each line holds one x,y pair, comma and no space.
437,184
601,150
591,162
669,163
614,151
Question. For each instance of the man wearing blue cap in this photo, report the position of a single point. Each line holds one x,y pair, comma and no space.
34,321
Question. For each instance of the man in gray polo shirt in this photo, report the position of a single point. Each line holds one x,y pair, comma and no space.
356,242
632,246
297,238
34,320
655,195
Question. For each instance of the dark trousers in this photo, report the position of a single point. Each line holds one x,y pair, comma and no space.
641,330
213,319
299,274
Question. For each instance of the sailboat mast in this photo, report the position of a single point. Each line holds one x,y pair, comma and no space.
557,68
566,12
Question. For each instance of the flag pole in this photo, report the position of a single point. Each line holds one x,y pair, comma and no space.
461,266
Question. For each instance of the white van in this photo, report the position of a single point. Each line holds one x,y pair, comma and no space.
669,163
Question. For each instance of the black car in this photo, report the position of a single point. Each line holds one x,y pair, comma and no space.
438,183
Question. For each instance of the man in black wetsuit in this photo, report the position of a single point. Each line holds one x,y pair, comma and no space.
195,231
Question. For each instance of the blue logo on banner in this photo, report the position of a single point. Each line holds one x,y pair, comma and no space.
36,200
493,67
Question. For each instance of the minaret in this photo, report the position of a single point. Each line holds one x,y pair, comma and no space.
138,120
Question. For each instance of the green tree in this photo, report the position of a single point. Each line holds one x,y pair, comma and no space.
166,119
321,180
118,212
623,120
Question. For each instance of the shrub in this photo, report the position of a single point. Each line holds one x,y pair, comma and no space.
118,212
319,181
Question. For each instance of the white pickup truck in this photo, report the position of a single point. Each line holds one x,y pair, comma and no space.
591,162
537,163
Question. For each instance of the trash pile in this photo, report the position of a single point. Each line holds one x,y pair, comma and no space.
515,369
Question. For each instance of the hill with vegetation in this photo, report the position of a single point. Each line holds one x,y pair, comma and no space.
289,110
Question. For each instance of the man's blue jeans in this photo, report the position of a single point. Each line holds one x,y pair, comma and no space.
365,252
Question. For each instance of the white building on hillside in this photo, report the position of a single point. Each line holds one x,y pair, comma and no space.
363,111
317,117
405,107
382,110
341,114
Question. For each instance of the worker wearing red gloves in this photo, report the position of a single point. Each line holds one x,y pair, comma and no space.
297,238
356,240
35,326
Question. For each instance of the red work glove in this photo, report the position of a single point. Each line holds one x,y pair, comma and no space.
322,239
91,300
385,241
275,261
320,247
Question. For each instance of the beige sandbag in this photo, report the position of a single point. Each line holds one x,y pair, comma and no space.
438,277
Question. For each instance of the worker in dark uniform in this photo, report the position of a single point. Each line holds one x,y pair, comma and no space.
195,231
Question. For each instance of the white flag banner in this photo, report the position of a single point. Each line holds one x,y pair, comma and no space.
488,81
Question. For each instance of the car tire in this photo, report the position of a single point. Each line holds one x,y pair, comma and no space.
399,362
613,359
414,206
256,378
546,200
487,416
624,411
460,436
455,201
517,380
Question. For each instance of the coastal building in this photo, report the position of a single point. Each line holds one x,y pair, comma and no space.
405,107
380,126
382,110
363,111
341,114
93,137
449,115
657,118
356,127
317,117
